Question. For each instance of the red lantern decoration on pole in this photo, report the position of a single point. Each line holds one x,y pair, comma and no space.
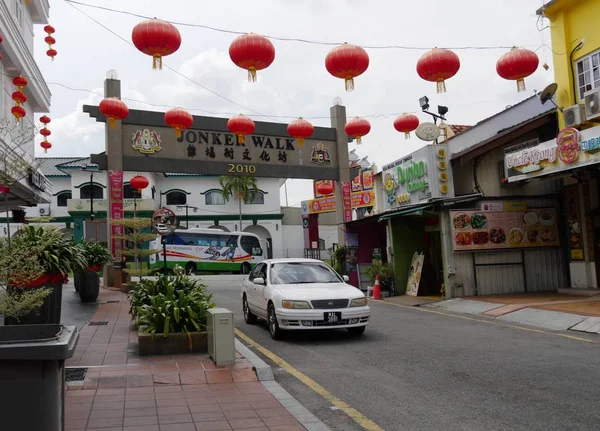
347,62
113,109
241,126
325,188
252,52
300,129
179,119
406,123
156,38
50,41
357,128
45,145
516,65
438,65
19,97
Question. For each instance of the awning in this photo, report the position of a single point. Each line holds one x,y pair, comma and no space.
417,210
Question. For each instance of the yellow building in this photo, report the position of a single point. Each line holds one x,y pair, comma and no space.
575,30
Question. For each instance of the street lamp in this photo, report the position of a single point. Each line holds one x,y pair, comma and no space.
442,110
91,168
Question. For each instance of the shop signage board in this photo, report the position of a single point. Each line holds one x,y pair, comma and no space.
347,201
115,184
571,149
496,230
420,177
414,275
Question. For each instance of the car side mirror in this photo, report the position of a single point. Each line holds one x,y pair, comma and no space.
346,278
259,280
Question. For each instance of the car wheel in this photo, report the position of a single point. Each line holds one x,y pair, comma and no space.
359,330
249,316
190,268
245,268
273,325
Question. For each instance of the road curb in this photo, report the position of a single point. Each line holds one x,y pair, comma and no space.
265,375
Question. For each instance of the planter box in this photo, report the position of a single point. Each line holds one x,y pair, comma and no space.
127,287
172,344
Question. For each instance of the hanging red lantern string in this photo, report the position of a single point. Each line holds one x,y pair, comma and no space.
252,52
325,188
113,109
139,183
45,145
438,65
357,128
300,129
241,126
50,41
516,65
19,97
156,38
406,123
347,62
179,119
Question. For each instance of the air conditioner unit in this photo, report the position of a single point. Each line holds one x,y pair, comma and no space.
574,115
44,211
592,105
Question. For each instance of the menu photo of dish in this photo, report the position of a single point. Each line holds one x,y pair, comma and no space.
475,230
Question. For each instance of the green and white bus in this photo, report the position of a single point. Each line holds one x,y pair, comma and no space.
208,250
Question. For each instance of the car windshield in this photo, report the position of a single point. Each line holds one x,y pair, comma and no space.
302,273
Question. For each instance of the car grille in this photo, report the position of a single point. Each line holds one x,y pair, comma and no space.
329,303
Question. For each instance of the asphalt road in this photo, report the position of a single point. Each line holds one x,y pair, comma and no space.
414,370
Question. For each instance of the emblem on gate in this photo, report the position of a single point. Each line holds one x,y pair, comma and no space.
319,155
146,142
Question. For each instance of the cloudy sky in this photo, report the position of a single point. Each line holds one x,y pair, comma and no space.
297,83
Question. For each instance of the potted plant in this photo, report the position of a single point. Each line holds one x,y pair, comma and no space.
96,255
170,313
23,297
338,260
386,276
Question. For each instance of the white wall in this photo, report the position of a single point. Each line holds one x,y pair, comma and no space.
293,240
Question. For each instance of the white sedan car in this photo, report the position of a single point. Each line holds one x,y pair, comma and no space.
300,294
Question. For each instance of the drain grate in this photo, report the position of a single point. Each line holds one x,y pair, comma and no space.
75,374
103,323
109,302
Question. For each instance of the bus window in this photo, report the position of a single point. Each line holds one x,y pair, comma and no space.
251,245
229,241
203,240
181,239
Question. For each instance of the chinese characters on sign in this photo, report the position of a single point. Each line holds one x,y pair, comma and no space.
347,202
116,210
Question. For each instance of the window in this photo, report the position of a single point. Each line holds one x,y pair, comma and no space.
214,197
588,73
258,271
176,198
257,198
304,273
19,12
131,193
62,198
251,245
182,239
91,191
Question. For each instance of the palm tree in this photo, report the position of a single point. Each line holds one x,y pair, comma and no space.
241,188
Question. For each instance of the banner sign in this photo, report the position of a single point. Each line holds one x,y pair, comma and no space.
115,179
347,201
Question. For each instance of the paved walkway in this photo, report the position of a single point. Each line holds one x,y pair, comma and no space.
122,391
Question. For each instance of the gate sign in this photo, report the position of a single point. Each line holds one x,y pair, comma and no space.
148,145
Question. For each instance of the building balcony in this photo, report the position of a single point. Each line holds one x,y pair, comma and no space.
40,11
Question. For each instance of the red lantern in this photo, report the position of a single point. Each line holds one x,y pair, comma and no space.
46,146
113,109
156,38
44,119
19,82
45,132
357,128
516,65
347,62
1,39
49,29
19,97
438,65
139,183
406,123
179,119
18,112
50,41
52,53
252,52
300,129
241,126
325,188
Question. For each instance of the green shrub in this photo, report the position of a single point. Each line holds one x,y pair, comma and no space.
96,253
338,260
385,272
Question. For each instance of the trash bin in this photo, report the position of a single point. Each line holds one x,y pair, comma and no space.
32,375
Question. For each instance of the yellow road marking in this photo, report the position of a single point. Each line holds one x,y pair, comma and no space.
490,322
357,416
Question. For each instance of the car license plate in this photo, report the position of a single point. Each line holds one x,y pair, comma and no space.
333,317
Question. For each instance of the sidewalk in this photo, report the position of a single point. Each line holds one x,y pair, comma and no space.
547,310
110,387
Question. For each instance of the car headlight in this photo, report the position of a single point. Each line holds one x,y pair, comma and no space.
295,304
358,302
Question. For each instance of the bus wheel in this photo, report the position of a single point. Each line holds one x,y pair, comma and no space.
245,268
190,268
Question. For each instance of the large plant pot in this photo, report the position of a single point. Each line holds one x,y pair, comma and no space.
41,317
55,301
90,287
77,280
32,375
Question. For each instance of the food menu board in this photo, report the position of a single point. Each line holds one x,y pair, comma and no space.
480,230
